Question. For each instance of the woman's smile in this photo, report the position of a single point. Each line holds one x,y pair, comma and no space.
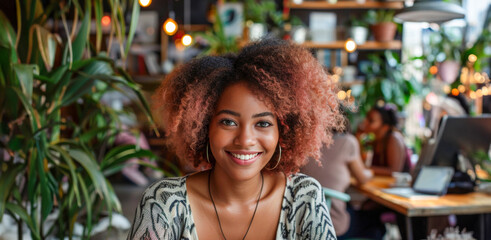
244,158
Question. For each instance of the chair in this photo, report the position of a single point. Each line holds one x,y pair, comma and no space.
330,193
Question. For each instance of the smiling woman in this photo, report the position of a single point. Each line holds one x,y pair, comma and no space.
252,120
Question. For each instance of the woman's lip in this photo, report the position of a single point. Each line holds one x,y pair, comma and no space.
241,161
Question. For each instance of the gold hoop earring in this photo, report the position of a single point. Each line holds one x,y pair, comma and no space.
207,157
278,162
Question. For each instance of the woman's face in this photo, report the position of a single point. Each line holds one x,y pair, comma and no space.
243,133
373,122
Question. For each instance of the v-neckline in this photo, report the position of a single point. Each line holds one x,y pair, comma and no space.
194,233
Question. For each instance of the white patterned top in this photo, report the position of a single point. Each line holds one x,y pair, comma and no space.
164,211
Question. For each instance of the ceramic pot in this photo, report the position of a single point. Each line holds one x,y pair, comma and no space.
257,31
359,34
384,31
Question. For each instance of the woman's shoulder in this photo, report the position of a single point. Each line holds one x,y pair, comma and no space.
167,187
397,138
301,185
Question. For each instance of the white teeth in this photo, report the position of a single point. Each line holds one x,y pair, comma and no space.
245,156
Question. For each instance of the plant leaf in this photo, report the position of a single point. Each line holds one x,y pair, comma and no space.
78,45
89,164
135,14
7,181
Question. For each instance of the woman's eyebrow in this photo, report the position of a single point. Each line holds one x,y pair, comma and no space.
225,111
263,114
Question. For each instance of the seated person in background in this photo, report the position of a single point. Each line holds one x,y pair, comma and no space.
340,161
389,151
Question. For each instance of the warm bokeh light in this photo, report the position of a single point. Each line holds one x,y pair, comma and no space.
145,3
335,78
341,95
472,58
170,26
433,70
472,94
455,92
485,91
478,93
348,93
106,21
446,89
187,40
461,88
350,45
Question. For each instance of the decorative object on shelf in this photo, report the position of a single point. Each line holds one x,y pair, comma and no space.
147,29
382,24
431,11
231,15
358,29
55,135
323,27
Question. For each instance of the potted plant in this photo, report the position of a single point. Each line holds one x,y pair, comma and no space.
215,41
256,16
382,24
55,135
358,29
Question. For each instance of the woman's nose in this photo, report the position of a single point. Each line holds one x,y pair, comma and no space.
245,137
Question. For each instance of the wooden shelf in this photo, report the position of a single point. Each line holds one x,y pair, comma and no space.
346,5
369,45
349,84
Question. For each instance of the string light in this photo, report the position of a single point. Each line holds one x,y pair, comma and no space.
145,3
461,88
341,95
170,26
433,70
472,58
187,40
106,21
455,92
350,45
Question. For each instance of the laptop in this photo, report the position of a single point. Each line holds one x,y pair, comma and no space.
431,182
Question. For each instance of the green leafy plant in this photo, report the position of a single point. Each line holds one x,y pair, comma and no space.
215,40
260,11
379,16
385,81
55,134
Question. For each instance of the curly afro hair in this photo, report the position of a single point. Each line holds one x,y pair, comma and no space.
284,74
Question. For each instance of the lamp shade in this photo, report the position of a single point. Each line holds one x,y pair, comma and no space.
430,11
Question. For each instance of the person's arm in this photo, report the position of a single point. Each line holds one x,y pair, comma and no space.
356,167
359,172
395,156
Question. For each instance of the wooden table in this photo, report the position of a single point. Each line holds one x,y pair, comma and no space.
470,203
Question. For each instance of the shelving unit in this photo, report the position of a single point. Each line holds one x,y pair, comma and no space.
333,53
369,45
324,5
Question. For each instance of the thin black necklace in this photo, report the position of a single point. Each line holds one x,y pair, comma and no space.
255,209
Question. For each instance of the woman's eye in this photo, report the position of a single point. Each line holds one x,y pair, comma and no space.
264,124
228,122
